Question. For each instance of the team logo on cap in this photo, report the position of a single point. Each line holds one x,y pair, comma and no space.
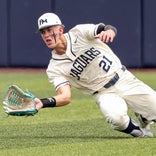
43,21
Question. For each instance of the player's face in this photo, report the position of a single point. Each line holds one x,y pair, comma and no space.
50,36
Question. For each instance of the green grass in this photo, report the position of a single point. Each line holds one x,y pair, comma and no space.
78,129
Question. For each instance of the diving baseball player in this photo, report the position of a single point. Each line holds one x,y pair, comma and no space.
81,58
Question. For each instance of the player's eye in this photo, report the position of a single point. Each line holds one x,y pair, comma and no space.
49,30
42,32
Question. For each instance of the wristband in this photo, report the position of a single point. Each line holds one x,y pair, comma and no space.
107,27
48,102
103,27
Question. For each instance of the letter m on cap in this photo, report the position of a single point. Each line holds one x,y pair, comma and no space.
43,21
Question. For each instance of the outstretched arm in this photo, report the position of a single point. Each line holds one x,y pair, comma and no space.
62,98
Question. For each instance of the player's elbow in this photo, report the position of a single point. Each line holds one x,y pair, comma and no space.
64,95
67,100
62,101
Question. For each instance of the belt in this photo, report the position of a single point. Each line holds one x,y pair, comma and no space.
113,80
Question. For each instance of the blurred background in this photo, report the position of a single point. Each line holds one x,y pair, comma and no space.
22,46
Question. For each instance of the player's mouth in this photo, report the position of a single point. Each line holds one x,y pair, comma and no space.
48,42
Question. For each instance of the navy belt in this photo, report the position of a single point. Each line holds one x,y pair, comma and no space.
113,80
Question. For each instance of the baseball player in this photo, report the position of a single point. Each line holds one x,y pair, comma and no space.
81,58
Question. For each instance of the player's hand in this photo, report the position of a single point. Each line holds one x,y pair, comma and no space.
39,104
106,36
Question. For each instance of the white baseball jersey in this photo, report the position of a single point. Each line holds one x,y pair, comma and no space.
88,63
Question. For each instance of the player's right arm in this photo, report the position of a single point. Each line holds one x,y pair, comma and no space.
63,97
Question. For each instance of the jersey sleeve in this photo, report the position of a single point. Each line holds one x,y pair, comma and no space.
87,30
55,78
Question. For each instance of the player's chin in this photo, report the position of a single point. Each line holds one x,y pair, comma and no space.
51,46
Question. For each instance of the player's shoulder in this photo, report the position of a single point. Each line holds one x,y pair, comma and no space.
81,27
85,30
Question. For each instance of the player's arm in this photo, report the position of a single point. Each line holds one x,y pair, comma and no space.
62,98
106,33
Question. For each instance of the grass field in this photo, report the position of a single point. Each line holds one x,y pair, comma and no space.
78,129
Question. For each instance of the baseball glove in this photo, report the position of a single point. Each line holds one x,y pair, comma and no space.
19,103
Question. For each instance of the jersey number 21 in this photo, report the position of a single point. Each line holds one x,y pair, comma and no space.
105,63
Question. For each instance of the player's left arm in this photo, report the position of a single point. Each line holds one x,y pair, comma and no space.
106,33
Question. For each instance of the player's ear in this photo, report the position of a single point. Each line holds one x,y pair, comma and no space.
61,29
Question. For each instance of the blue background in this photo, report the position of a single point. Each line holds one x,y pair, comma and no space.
20,45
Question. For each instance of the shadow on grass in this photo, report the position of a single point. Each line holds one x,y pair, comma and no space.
22,136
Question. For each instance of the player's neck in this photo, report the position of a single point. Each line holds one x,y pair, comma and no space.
62,46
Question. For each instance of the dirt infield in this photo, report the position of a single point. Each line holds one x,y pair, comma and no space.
142,69
43,70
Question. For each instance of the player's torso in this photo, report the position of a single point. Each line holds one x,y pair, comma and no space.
87,64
